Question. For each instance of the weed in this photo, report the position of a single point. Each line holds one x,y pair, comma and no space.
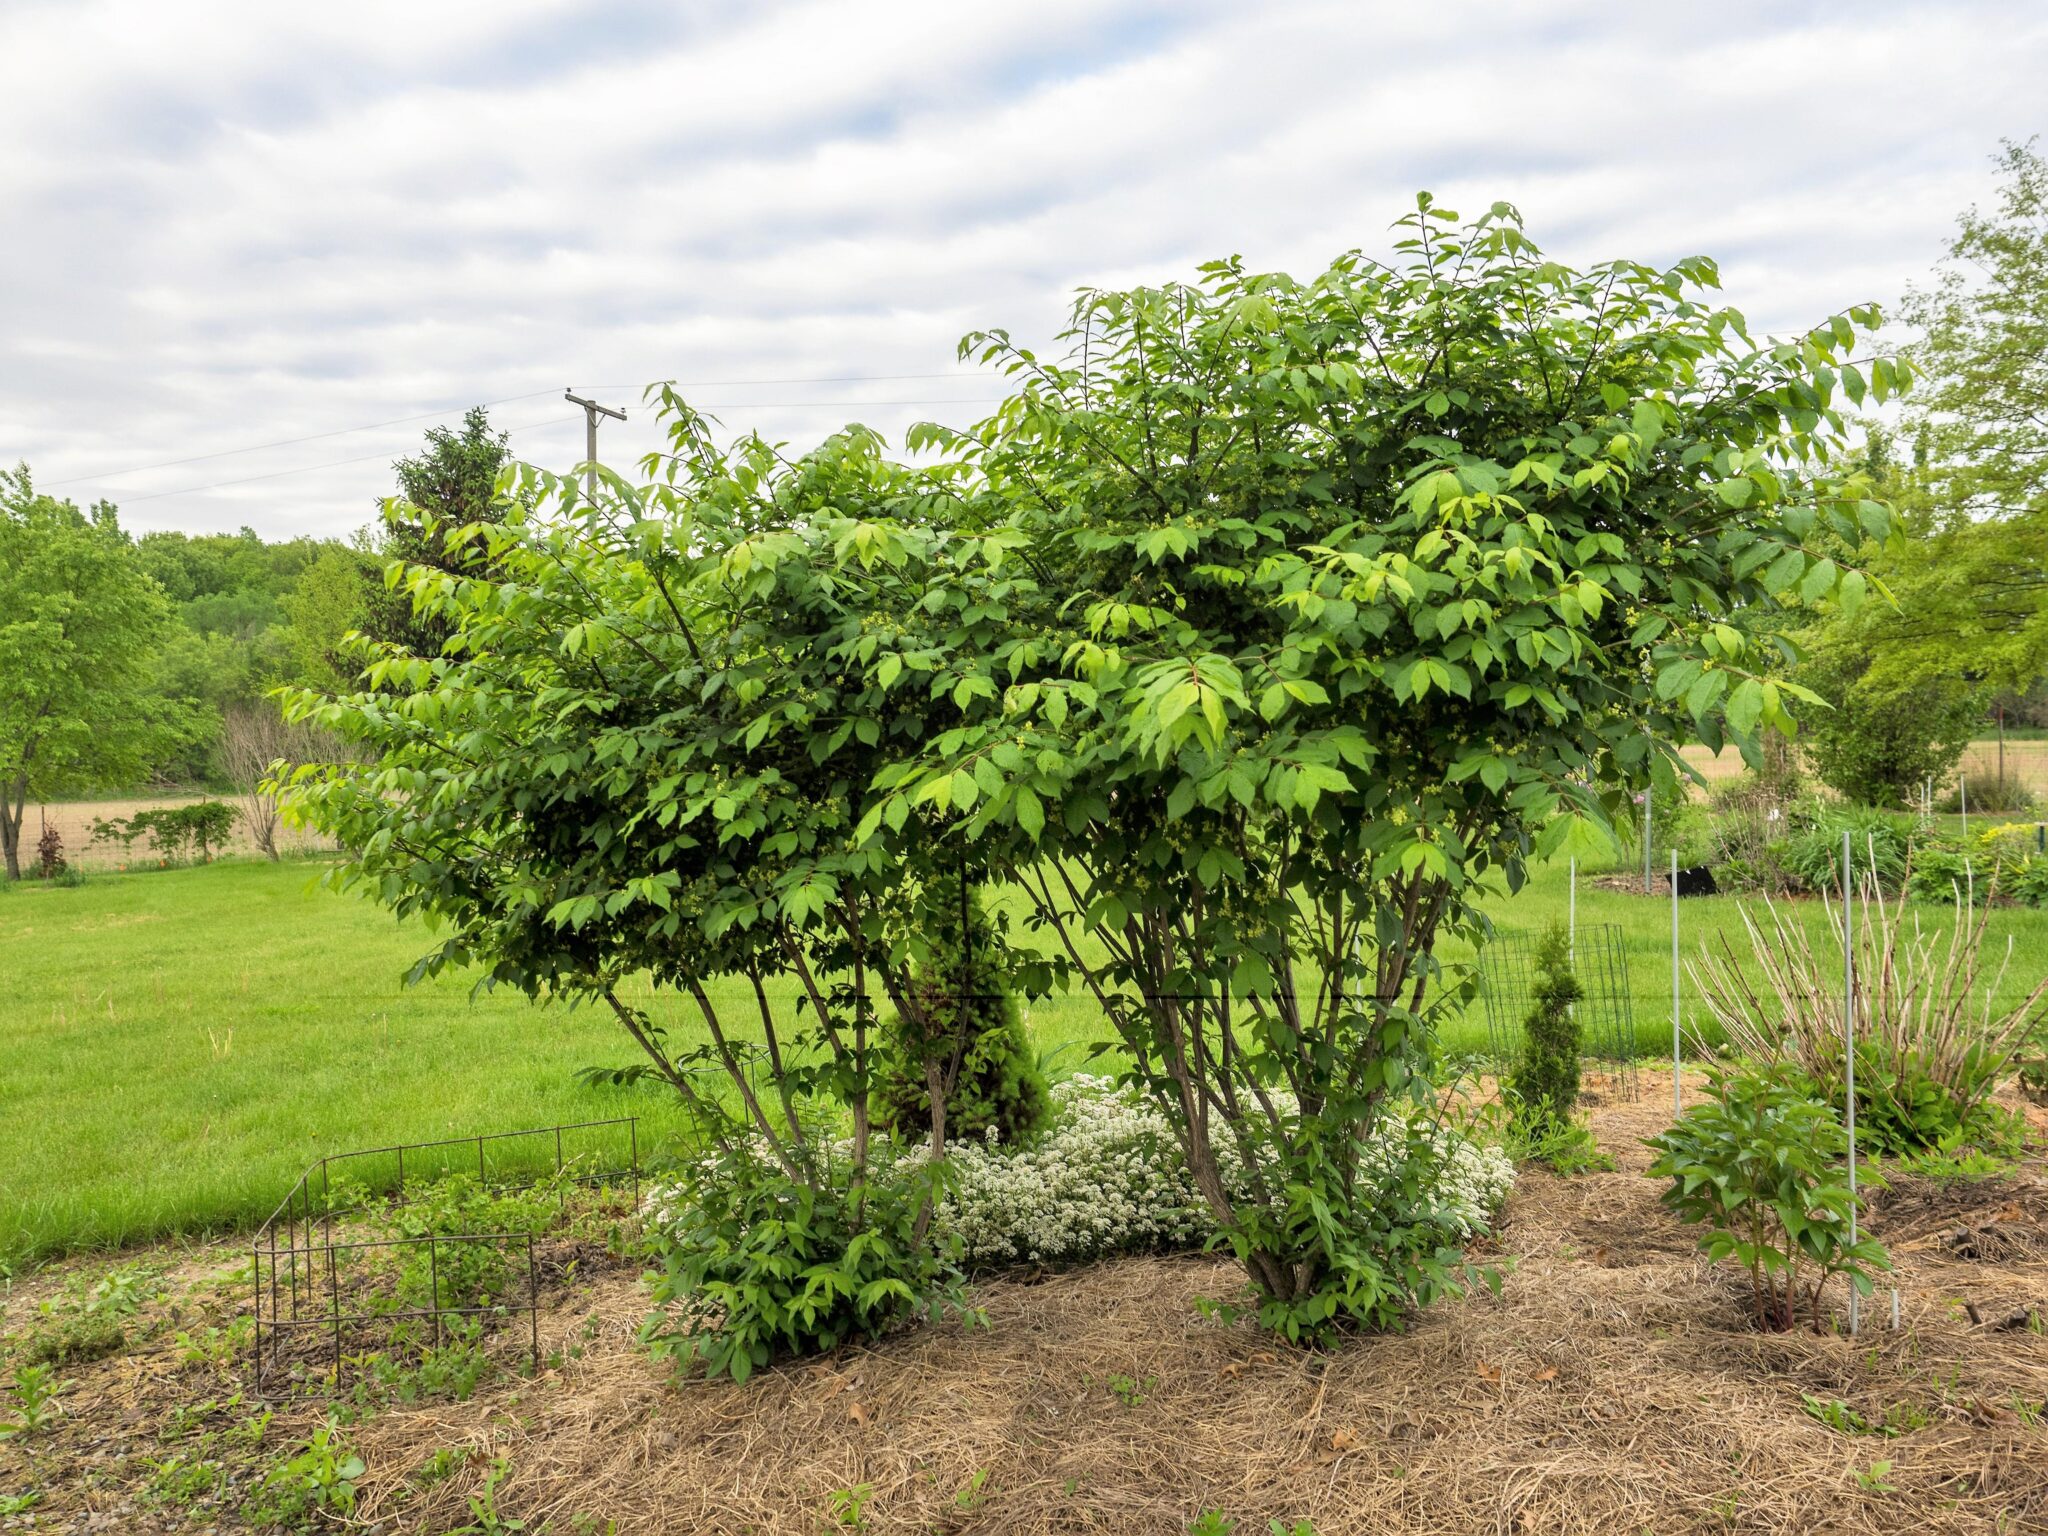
1211,1522
319,1478
185,1480
975,1493
452,1369
848,1507
1128,1390
1876,1478
32,1402
446,1461
186,1418
1902,1418
19,1503
86,1322
218,1347
483,1505
1566,1147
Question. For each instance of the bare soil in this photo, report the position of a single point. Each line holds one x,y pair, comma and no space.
1616,1385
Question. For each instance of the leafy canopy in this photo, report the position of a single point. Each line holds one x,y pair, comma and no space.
1250,639
80,625
1330,602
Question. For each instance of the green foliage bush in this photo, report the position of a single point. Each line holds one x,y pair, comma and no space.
1762,1167
174,831
1544,1088
757,1265
1986,792
959,1017
1996,863
1879,744
1252,641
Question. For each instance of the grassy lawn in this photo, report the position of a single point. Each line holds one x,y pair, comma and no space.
178,1045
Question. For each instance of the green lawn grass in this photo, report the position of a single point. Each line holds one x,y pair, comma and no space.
175,1047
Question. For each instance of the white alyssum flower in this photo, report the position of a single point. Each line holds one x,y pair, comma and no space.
1108,1178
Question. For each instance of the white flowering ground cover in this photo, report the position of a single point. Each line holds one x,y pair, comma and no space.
1107,1179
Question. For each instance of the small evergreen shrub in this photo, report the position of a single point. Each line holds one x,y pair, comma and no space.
960,1002
1543,1089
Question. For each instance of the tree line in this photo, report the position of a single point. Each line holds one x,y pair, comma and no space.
136,663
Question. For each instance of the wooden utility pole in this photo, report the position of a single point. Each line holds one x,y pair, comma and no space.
591,411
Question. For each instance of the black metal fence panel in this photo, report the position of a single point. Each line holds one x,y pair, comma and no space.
309,1298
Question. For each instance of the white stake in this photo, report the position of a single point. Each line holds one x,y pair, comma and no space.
1675,1099
1572,916
1849,1041
1963,801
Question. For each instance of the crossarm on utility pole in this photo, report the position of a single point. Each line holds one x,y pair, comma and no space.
591,411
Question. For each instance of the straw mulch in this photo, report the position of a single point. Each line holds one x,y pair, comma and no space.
1615,1386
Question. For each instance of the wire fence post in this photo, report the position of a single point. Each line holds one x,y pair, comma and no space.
1648,795
1849,1044
1963,801
1677,1106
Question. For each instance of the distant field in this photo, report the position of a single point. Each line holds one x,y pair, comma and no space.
74,820
175,1046
2026,761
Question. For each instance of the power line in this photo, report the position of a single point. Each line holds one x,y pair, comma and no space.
399,421
552,421
305,469
289,442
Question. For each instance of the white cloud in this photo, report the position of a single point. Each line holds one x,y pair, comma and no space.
231,224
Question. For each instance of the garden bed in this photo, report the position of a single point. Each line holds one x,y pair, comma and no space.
1616,1384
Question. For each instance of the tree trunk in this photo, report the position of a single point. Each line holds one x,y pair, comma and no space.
12,811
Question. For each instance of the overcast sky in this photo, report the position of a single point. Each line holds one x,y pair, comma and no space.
226,225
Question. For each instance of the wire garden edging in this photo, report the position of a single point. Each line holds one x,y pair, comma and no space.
298,1261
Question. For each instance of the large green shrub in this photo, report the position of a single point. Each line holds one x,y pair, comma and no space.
1251,641
957,1036
1544,1089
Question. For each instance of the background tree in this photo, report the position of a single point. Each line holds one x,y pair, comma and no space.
81,625
257,744
449,485
330,600
1882,739
1969,469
